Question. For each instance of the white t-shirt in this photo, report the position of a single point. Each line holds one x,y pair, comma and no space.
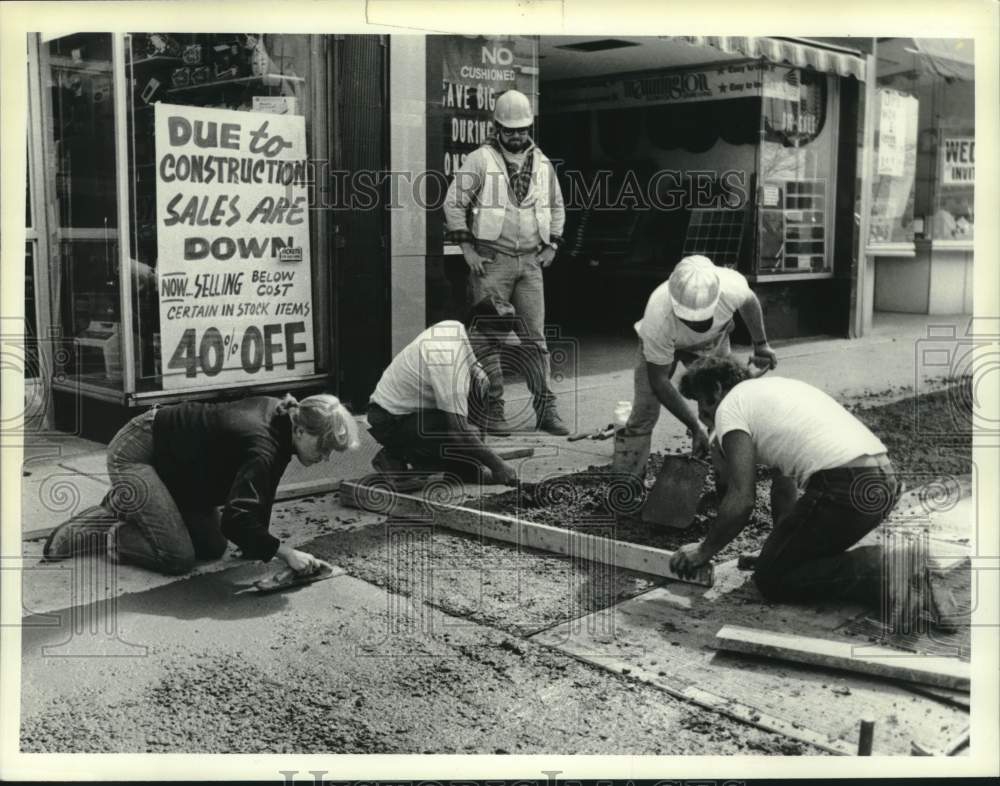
432,372
795,428
662,332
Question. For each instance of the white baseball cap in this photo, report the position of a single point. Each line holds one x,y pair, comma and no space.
694,288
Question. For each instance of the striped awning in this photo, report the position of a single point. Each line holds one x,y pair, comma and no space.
777,50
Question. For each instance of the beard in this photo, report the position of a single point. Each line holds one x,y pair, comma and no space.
516,144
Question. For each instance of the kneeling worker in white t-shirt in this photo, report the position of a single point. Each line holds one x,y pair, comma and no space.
687,317
812,444
422,406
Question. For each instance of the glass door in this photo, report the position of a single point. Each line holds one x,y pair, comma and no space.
78,127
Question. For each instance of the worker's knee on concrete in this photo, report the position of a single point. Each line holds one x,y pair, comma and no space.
770,583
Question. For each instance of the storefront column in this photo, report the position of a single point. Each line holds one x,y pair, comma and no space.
863,305
407,214
45,309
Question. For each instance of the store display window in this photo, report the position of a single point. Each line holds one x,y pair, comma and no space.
954,201
78,113
923,159
233,300
796,173
736,161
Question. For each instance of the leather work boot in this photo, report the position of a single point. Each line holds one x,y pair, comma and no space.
549,421
86,533
631,453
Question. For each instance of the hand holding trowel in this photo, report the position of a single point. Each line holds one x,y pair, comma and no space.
302,569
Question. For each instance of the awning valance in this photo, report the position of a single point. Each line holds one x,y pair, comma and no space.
777,50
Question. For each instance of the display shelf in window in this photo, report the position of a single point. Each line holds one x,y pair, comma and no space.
793,229
156,60
717,233
271,80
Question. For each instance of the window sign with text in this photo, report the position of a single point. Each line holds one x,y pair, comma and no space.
233,246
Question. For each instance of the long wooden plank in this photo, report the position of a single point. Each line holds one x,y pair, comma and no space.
707,700
942,672
630,556
307,488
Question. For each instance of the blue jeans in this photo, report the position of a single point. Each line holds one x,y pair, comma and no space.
154,532
517,279
807,556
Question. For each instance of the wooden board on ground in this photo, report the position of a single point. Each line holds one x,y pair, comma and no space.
843,655
630,556
665,637
307,488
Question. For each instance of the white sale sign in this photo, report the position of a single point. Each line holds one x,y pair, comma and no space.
232,220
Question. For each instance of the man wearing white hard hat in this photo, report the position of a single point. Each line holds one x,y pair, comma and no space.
687,317
505,208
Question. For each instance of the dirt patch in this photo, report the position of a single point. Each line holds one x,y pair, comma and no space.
927,437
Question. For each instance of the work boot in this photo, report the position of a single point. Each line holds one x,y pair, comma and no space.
631,453
86,533
549,421
491,422
950,596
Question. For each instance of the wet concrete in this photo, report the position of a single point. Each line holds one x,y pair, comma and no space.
338,667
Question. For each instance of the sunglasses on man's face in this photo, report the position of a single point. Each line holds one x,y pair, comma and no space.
515,131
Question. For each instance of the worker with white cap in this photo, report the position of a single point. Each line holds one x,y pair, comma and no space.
687,317
505,209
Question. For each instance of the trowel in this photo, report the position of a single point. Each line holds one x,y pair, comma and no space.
286,579
673,500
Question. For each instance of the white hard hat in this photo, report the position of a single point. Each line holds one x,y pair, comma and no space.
513,110
694,288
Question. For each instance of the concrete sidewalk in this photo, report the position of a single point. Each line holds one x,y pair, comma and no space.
63,477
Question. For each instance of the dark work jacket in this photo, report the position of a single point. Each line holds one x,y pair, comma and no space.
230,454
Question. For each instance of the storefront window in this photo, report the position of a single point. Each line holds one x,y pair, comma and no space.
796,172
31,368
218,131
924,157
954,217
894,167
79,122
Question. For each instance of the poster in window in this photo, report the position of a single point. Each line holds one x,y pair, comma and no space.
891,133
958,161
232,220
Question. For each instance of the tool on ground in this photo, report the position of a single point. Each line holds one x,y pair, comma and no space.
515,453
865,737
674,498
286,579
602,433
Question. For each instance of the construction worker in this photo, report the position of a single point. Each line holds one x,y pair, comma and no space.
687,317
172,467
813,446
421,409
505,209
